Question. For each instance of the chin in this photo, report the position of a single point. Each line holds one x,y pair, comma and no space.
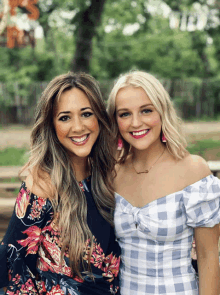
140,148
80,154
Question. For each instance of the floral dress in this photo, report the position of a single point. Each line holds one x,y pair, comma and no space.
30,251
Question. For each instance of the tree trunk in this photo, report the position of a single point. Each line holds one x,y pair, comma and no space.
89,19
199,44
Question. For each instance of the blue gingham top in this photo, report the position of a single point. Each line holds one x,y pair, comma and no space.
156,239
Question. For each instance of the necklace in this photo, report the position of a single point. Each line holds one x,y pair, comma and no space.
147,170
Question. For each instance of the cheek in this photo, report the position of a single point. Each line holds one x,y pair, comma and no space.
156,121
60,130
122,124
94,125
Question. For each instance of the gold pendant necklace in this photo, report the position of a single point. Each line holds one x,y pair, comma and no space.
147,170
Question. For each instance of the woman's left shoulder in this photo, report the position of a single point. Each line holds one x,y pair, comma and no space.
196,168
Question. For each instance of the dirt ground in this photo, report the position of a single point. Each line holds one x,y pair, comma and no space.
15,135
19,136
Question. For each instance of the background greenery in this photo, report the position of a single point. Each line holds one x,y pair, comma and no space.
13,156
93,36
153,46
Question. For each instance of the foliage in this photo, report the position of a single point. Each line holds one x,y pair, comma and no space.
13,156
190,105
200,147
129,37
185,93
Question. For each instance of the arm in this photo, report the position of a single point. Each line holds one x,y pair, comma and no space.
208,259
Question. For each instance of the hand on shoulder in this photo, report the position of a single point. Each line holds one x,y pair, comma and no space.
41,187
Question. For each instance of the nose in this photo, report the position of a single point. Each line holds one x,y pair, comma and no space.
77,125
136,120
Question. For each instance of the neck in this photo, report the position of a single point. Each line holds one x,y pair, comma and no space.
81,167
145,158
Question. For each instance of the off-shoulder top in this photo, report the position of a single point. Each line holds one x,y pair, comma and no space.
156,239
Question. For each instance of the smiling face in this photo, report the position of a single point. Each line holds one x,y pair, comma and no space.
138,121
75,123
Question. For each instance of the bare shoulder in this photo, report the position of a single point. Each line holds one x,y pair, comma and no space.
195,167
197,163
42,187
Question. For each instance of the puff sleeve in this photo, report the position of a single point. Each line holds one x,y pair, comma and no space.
202,202
30,215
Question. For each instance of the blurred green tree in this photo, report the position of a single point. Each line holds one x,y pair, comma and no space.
110,39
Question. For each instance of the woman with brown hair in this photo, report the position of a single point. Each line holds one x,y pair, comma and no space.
60,239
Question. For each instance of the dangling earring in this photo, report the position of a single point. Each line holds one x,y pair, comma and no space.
164,138
120,144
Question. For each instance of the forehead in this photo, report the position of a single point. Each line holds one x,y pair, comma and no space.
130,96
73,98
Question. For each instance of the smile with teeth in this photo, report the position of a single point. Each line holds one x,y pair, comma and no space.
81,139
139,134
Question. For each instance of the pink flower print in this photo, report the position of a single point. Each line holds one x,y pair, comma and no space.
35,211
12,293
37,208
22,202
97,255
41,201
56,290
81,186
28,288
97,259
78,279
41,287
98,249
111,266
16,279
33,240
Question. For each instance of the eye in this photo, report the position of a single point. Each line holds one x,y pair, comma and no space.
146,111
87,114
64,118
124,115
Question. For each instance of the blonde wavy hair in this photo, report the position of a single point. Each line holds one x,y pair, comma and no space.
171,123
48,155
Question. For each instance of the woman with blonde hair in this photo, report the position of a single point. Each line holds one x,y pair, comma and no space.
60,239
164,195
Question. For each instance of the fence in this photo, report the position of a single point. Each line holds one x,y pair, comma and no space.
192,98
18,101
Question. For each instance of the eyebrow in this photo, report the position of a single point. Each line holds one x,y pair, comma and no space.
143,106
68,112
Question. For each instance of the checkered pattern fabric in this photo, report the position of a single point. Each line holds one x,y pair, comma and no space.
156,239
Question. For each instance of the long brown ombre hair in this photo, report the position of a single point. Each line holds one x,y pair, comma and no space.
49,156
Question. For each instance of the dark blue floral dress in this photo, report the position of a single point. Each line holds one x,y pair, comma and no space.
30,251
